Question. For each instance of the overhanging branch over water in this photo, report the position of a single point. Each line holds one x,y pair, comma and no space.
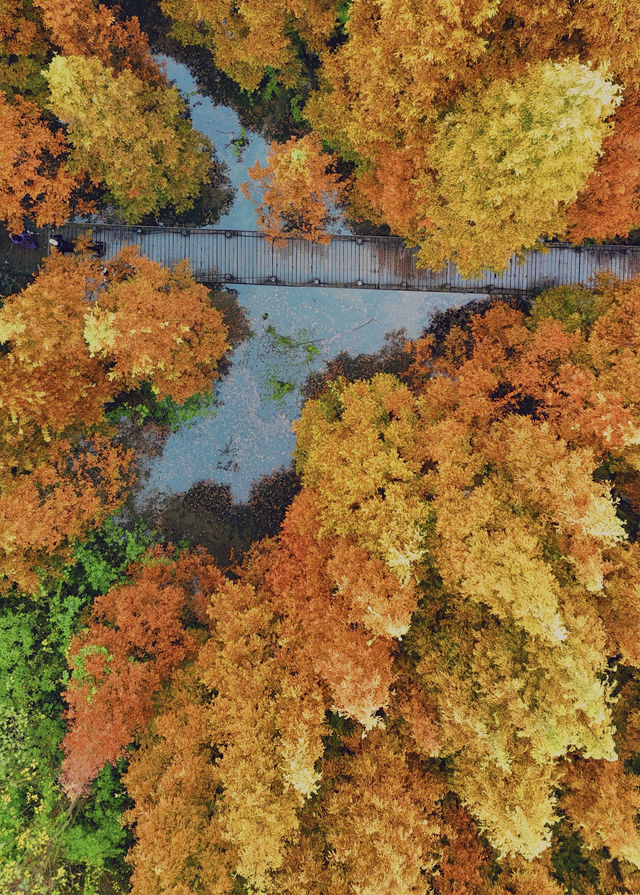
347,262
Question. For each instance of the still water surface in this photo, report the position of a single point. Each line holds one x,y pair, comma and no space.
250,435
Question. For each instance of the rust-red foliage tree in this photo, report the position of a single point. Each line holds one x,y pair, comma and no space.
135,639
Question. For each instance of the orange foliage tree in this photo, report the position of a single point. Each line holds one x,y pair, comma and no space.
87,28
603,802
296,190
84,331
155,324
23,49
34,179
47,507
78,336
609,204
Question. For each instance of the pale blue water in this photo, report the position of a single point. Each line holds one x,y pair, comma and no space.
251,434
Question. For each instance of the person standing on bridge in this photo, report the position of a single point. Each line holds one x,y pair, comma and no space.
67,247
26,239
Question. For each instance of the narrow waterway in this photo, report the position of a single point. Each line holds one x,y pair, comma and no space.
292,332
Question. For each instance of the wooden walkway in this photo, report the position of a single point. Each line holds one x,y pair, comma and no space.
348,262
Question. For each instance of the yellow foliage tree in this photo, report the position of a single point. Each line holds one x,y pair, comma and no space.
132,136
537,136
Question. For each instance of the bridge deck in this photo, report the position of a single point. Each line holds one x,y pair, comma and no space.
368,262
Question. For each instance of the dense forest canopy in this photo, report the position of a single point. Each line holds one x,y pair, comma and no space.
422,677
427,680
439,120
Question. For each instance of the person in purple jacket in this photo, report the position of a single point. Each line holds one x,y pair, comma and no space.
26,239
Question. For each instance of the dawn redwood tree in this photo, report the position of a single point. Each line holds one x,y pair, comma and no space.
135,639
49,504
537,136
84,331
296,189
430,674
37,180
81,334
154,324
238,731
401,65
34,179
609,204
87,28
602,803
174,784
32,30
23,49
128,134
354,660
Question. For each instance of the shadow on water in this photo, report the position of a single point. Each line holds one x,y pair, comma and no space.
206,515
391,358
233,314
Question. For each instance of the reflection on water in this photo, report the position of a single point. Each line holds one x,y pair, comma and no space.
293,331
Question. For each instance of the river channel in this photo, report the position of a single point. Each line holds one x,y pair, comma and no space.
250,434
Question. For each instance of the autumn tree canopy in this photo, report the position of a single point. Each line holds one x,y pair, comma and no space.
382,83
83,68
296,190
404,70
77,337
131,136
539,136
38,180
446,116
134,641
429,675
427,680
34,179
609,204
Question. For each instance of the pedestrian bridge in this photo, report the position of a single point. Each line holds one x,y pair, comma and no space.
347,262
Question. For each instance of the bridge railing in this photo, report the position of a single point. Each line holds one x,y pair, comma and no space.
219,255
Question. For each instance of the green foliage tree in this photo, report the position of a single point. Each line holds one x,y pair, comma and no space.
48,847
